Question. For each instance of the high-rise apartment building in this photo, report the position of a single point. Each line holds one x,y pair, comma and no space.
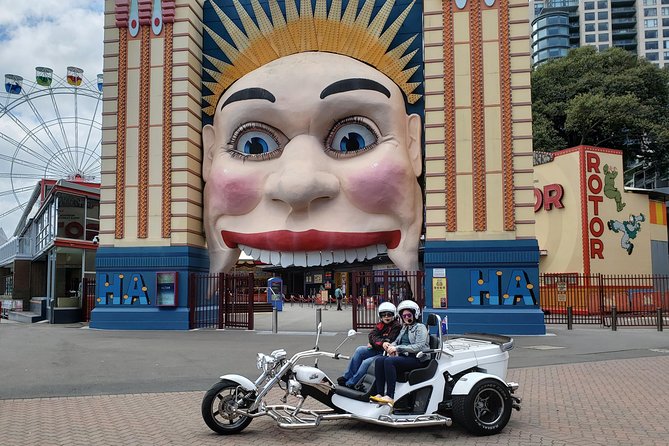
640,26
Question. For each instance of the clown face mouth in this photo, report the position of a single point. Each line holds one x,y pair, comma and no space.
312,247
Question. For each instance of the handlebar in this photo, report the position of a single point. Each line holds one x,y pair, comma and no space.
316,353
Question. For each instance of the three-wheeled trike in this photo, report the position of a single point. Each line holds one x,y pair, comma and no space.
464,381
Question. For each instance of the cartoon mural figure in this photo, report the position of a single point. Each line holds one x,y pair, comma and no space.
312,157
629,228
610,190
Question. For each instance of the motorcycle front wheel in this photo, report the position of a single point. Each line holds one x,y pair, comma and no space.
219,408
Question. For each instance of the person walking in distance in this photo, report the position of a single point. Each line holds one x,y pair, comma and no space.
339,295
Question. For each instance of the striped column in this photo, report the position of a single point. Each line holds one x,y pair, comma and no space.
478,148
151,187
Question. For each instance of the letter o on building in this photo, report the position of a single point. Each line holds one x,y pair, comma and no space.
592,179
599,224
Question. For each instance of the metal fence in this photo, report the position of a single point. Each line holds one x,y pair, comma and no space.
371,288
620,300
221,300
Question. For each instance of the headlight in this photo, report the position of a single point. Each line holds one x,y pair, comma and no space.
278,355
264,362
260,361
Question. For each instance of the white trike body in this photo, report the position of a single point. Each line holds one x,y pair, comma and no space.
464,380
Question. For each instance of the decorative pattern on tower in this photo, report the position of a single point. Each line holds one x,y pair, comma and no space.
263,41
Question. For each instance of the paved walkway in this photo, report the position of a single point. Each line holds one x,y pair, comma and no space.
621,402
586,387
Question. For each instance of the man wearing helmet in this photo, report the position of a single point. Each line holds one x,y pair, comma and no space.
412,338
386,330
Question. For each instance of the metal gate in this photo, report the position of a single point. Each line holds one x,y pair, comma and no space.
371,288
634,300
88,298
221,301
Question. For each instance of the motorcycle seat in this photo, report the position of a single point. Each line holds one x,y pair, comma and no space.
419,375
363,389
423,373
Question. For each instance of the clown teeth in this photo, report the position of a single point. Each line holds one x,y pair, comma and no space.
326,257
287,259
313,258
351,255
299,258
264,256
275,258
362,253
339,256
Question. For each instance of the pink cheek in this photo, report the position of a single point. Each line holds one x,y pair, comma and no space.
230,194
379,189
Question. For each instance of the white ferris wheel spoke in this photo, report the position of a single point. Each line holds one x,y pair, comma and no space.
62,127
43,123
14,209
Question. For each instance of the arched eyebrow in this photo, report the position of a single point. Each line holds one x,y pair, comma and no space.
354,84
249,93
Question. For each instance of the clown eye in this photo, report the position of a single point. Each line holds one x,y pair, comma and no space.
352,136
255,141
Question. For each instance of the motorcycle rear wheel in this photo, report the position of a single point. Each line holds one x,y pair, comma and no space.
485,410
218,408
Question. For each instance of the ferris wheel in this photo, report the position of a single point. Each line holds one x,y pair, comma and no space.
50,128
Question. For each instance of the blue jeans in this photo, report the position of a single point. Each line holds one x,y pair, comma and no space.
360,362
386,369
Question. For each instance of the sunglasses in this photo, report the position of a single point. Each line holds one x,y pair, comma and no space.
387,314
407,316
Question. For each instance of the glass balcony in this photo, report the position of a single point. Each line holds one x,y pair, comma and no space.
628,22
621,3
623,12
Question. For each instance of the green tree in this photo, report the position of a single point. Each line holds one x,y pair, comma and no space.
608,99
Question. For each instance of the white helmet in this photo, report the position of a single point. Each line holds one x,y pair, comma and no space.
387,307
409,305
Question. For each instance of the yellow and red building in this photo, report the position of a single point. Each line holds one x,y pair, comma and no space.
588,223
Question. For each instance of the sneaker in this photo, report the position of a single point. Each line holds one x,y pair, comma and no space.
376,397
341,381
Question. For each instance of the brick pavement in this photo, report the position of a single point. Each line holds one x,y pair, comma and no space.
617,402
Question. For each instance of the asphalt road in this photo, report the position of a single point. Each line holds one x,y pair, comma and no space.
42,360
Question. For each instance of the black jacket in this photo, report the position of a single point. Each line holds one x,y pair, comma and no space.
384,333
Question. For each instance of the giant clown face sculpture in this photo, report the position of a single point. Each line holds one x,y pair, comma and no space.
312,160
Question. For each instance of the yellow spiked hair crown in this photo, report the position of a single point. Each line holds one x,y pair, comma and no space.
351,34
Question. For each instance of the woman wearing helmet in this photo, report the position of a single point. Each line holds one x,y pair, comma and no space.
386,330
412,338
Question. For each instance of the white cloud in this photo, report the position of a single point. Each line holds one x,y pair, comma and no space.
51,33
